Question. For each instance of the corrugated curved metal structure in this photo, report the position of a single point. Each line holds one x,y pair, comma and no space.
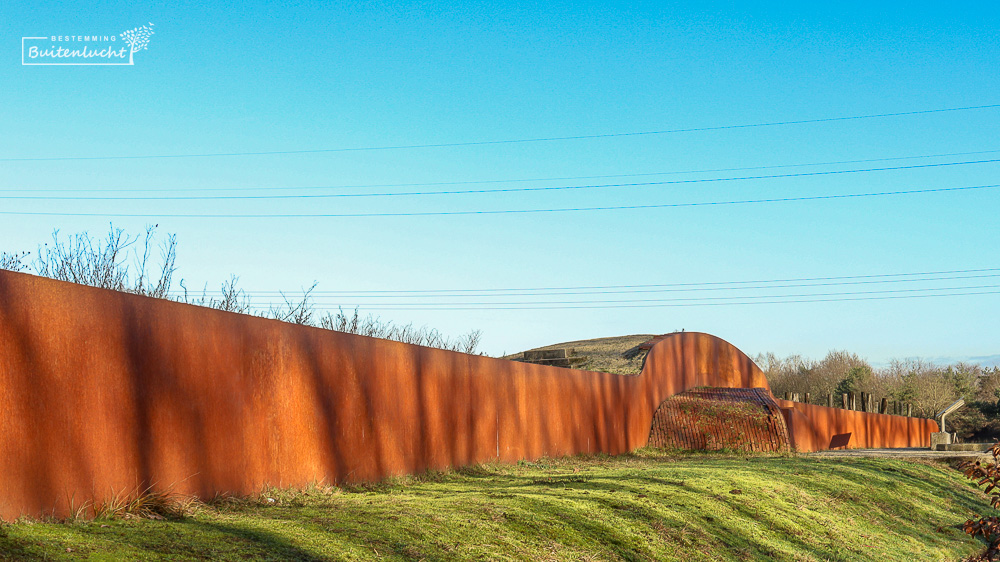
102,393
744,419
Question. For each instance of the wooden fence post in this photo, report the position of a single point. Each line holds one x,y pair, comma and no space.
829,400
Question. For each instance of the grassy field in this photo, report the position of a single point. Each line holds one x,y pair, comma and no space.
603,354
646,506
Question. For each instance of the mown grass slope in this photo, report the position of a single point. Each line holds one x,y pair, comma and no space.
646,506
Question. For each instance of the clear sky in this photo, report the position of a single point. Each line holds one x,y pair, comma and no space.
285,77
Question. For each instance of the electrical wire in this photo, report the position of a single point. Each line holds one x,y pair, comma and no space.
420,306
483,191
509,180
572,291
513,141
665,305
504,211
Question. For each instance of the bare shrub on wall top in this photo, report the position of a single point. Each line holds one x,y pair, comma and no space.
13,261
126,263
158,285
104,263
375,327
232,299
295,311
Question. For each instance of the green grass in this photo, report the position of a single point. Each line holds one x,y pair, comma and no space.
647,506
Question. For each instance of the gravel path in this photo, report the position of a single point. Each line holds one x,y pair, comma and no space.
909,453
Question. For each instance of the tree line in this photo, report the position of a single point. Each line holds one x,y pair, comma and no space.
927,386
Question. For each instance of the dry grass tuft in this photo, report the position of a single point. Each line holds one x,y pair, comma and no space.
604,354
146,504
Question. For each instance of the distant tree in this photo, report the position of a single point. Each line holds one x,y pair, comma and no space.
989,385
858,379
819,378
837,366
966,379
788,374
923,384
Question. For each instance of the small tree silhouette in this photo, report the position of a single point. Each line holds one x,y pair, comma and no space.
137,39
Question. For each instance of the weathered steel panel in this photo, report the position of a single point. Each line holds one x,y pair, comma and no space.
102,393
817,428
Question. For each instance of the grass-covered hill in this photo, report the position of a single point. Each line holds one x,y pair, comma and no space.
603,354
645,506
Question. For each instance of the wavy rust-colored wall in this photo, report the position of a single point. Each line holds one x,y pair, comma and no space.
816,428
103,393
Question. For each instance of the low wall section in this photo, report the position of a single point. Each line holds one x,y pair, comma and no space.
816,428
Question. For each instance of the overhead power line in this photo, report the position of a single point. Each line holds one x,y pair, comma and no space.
493,181
432,297
516,140
483,191
505,211
422,305
611,290
380,308
695,301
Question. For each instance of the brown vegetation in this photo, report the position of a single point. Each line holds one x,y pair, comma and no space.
603,354
987,474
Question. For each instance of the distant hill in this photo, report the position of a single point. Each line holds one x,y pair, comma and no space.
987,360
603,354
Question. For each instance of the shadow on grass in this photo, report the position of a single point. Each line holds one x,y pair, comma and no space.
187,539
640,511
900,496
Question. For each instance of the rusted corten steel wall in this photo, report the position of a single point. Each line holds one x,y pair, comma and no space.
102,393
817,428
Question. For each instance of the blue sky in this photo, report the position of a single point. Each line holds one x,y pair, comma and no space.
258,77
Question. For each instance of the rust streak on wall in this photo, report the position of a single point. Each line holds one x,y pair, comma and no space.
104,392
